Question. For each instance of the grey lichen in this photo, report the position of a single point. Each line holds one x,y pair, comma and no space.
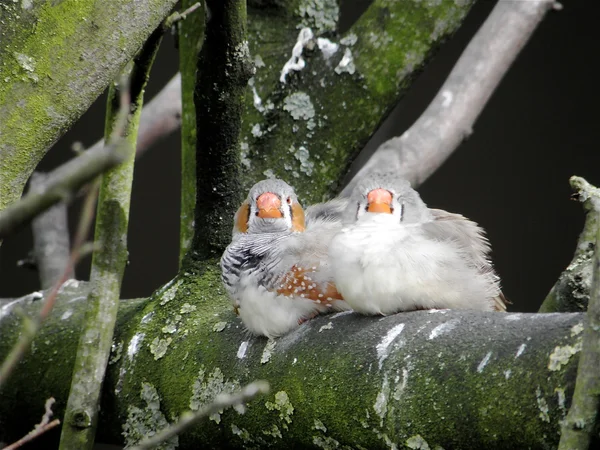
169,291
284,406
146,422
562,354
206,388
320,15
306,165
268,351
299,106
274,431
417,442
159,346
219,326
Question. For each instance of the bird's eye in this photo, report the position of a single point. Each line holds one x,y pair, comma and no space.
289,200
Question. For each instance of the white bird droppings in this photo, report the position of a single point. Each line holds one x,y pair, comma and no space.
296,62
383,346
134,345
327,47
241,353
68,313
520,350
443,328
448,96
484,362
346,64
329,326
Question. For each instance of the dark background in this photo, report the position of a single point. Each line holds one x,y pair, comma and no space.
511,176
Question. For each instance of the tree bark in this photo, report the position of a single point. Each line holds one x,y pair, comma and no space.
453,379
57,58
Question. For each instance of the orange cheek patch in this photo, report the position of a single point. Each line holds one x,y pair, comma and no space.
242,216
298,217
298,283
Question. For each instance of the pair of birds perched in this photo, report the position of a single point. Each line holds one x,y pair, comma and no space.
381,251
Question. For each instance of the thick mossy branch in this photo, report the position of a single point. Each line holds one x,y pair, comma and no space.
453,379
224,68
571,292
57,57
307,130
109,258
582,420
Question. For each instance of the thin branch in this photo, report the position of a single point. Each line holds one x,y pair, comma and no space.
160,117
31,326
578,427
50,237
176,17
63,182
572,289
450,117
40,428
190,418
108,260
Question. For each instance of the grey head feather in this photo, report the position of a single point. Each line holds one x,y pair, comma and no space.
408,206
258,225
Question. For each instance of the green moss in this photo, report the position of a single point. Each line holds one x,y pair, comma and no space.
53,66
385,49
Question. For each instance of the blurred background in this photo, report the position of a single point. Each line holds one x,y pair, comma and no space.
511,176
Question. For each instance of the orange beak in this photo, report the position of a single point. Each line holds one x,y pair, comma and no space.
380,201
269,206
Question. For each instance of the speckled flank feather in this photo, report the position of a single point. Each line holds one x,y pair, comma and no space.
277,277
412,257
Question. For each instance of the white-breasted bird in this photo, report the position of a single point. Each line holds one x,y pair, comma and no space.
275,269
395,254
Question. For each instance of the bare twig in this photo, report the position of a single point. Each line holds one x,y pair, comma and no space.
62,183
179,16
160,117
31,326
109,260
50,237
578,427
450,117
40,428
189,418
571,292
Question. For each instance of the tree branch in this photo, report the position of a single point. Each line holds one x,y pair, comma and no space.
40,428
61,184
30,327
571,292
57,58
582,420
224,68
160,117
191,36
50,230
110,257
450,117
457,379
187,419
